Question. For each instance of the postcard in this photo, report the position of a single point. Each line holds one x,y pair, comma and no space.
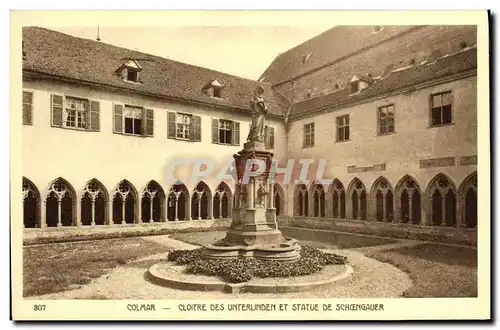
250,165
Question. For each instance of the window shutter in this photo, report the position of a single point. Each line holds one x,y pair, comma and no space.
149,122
304,136
266,137
57,110
94,116
118,118
171,125
271,137
215,130
27,108
236,133
197,128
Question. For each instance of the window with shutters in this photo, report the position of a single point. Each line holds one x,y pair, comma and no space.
441,107
132,117
225,132
343,128
182,126
133,120
269,137
308,135
75,113
27,108
386,119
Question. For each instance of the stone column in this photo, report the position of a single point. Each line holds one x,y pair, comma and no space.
177,194
251,192
110,211
123,211
443,211
43,214
410,207
270,197
210,203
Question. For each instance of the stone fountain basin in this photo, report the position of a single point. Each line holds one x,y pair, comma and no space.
289,250
169,274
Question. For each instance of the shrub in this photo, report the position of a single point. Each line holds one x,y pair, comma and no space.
243,269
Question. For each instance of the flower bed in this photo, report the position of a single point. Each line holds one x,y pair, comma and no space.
244,269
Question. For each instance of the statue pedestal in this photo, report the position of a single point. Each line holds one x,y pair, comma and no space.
254,231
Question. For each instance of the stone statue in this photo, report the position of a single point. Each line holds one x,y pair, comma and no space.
259,108
261,195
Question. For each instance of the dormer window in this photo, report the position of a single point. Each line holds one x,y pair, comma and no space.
132,75
358,83
129,71
354,87
214,89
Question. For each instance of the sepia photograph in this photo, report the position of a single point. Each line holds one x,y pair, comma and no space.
319,170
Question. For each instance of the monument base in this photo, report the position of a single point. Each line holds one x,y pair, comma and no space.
254,231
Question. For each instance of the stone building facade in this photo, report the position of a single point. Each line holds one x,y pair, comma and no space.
391,110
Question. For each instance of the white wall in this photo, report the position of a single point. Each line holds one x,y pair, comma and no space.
78,156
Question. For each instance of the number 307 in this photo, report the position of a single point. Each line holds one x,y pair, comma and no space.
39,308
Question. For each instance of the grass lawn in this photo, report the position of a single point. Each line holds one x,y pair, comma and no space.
436,270
63,266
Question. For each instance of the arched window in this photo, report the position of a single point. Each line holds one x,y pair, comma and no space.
94,204
222,198
408,193
153,199
382,197
358,199
318,195
442,197
468,201
201,199
31,205
124,203
338,199
178,203
60,204
301,200
279,199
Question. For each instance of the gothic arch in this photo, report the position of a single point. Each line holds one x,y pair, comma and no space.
201,202
357,202
467,194
441,198
408,203
94,204
279,199
222,203
153,203
178,203
338,199
31,205
301,200
317,204
125,203
60,204
382,200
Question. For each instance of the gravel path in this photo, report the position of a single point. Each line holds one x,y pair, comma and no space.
371,279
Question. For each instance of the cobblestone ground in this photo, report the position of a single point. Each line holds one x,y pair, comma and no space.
371,279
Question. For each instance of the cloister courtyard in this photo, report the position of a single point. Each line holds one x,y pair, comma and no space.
116,268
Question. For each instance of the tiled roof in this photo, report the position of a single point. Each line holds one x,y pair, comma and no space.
58,54
398,79
329,46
